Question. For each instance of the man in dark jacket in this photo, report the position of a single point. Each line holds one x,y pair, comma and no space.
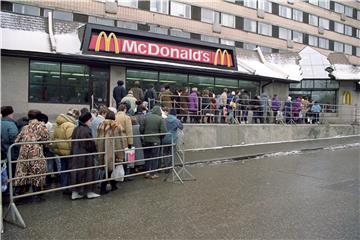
9,131
153,124
150,96
118,93
137,91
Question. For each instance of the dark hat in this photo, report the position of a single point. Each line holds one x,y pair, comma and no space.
42,117
85,117
6,111
173,111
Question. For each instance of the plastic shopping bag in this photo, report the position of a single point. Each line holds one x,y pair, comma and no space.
4,179
118,173
130,155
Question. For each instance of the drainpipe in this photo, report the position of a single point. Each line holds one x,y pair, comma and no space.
51,32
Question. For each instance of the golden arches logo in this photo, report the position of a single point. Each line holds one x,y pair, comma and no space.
222,57
347,98
107,42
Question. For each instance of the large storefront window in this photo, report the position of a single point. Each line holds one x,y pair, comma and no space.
174,80
201,82
322,91
146,78
55,82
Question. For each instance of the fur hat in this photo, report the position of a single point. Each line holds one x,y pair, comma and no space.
42,117
85,117
194,89
6,111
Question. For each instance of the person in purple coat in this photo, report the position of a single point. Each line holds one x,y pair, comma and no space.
193,105
296,108
275,106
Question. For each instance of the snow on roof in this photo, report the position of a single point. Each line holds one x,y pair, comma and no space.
68,43
346,72
287,63
313,64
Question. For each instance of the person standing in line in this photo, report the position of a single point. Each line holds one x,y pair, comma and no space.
264,108
112,131
150,96
83,131
137,91
131,100
287,110
97,120
119,92
153,124
9,130
275,106
184,104
194,106
316,109
124,121
166,97
223,104
244,106
20,123
33,132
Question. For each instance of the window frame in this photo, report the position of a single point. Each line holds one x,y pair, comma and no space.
185,9
164,6
227,16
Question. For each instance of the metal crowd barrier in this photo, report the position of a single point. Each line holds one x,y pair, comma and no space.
258,110
13,215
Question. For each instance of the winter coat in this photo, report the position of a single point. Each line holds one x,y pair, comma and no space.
130,99
223,99
108,129
172,125
153,124
138,93
95,123
275,104
184,103
296,105
64,128
139,116
21,122
287,108
139,152
264,103
165,99
316,108
118,93
150,97
125,122
9,131
33,132
193,102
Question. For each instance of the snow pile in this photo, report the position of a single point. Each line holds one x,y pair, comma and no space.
337,147
278,154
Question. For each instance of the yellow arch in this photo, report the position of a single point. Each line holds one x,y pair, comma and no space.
347,97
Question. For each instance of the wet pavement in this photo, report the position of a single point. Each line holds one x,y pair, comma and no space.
309,195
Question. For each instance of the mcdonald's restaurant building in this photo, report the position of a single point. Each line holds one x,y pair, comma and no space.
59,66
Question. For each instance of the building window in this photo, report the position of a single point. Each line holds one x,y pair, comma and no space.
314,2
339,8
339,27
358,33
174,80
128,25
265,29
250,3
285,11
324,23
297,15
227,42
313,41
228,20
249,46
348,30
313,20
159,30
348,49
180,10
358,51
349,11
221,83
284,33
209,39
249,25
57,82
146,78
297,37
128,3
66,16
179,33
265,5
202,82
26,9
160,6
209,16
324,43
324,4
265,49
358,14
338,47
101,21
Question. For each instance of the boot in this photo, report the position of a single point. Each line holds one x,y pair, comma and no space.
128,172
103,188
113,185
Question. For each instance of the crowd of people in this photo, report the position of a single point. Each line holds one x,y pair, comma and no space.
102,130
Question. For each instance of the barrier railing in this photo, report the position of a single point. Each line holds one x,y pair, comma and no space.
13,215
211,110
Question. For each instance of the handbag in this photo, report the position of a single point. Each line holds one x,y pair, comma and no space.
118,173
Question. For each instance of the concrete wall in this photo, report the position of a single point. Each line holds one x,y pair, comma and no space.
116,73
211,136
280,89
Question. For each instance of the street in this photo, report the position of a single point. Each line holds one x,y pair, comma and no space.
303,195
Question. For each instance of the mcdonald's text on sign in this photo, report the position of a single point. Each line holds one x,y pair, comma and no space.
109,42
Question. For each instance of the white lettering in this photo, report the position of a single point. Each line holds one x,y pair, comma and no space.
206,56
129,46
190,54
165,51
142,48
184,54
197,55
175,53
153,49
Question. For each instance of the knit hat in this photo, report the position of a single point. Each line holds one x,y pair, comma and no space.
6,111
172,111
73,112
85,117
